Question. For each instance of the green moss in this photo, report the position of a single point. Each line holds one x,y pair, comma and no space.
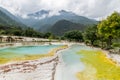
105,68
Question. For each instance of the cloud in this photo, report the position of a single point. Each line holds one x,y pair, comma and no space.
96,9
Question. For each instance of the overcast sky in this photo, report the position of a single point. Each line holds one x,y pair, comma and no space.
96,9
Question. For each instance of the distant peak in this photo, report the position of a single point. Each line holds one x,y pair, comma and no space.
63,11
43,12
66,12
39,13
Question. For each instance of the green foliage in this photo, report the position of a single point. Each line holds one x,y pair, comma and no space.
18,31
62,26
62,38
105,35
116,44
6,20
110,28
91,34
2,32
74,35
47,35
30,32
50,38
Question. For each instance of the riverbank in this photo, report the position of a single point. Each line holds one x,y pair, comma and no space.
37,69
47,68
41,69
98,66
112,56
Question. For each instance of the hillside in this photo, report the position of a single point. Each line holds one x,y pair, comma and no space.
7,19
42,21
62,26
63,15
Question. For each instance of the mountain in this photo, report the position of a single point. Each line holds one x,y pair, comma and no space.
62,26
39,14
50,21
33,18
9,14
7,19
42,20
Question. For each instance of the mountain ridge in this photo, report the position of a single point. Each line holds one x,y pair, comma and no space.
50,21
62,26
8,19
65,18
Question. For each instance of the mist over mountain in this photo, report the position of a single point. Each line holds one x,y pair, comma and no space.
39,14
44,22
32,18
7,19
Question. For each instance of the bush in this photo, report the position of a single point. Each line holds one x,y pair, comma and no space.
116,45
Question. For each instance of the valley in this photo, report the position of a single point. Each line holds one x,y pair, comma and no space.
59,40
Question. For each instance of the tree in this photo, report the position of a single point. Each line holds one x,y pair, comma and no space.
50,39
47,35
110,28
2,32
74,35
90,34
17,32
30,32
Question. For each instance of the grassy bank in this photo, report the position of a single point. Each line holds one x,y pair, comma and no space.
98,67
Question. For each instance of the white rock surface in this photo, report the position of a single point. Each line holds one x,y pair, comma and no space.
42,69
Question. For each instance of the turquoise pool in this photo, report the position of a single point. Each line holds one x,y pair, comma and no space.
26,50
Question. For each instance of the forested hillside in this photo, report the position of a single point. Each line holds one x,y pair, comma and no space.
62,26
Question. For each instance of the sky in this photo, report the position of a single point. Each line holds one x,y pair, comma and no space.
95,9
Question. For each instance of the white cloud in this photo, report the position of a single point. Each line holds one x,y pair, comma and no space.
91,8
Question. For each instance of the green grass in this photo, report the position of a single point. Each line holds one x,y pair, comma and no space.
98,67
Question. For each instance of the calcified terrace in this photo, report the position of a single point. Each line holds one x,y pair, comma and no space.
36,67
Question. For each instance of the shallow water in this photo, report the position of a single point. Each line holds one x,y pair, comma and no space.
26,50
72,63
78,58
86,63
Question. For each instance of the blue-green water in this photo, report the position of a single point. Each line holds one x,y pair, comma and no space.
26,50
72,63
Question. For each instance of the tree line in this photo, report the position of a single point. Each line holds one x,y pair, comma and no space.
19,31
106,34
